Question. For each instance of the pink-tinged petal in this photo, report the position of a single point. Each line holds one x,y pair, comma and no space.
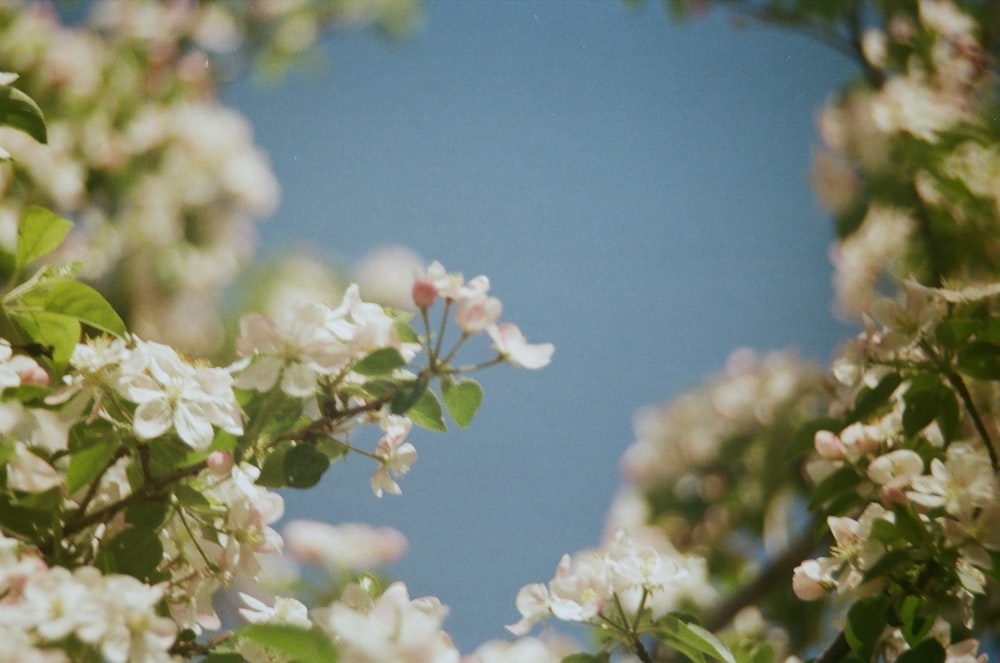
509,342
192,425
260,375
153,418
257,333
381,482
298,380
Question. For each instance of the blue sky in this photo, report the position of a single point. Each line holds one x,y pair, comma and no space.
637,192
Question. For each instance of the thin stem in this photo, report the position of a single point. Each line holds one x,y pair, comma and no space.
96,483
440,336
958,384
630,629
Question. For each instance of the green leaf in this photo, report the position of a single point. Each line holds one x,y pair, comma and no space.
979,359
915,623
39,232
870,399
407,394
922,402
381,362
223,658
78,301
149,514
272,472
136,551
462,399
88,463
911,527
304,466
928,651
692,640
954,331
427,412
297,644
49,329
866,620
840,481
584,657
20,111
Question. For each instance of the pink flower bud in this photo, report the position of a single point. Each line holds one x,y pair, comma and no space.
424,293
220,462
34,375
828,445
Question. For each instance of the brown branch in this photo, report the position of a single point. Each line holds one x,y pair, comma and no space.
777,570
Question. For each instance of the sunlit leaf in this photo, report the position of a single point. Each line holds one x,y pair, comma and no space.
462,398
39,232
296,644
19,111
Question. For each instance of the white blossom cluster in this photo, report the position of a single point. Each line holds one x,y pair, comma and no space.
615,583
870,133
43,608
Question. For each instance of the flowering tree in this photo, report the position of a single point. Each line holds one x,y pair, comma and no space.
781,511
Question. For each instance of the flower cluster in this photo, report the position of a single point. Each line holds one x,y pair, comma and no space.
391,627
910,166
700,458
112,616
477,311
614,586
166,184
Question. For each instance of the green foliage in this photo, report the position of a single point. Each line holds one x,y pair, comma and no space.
39,233
292,642
692,640
866,620
462,398
19,111
303,466
380,362
135,551
427,412
585,657
928,651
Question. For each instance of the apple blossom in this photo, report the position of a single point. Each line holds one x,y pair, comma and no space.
394,454
391,628
511,344
347,547
172,394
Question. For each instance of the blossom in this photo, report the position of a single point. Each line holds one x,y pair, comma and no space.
346,547
394,454
299,348
391,628
284,611
623,574
171,393
511,344
386,275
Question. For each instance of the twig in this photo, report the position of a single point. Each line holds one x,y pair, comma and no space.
776,571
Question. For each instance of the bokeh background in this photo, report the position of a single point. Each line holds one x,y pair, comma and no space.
637,192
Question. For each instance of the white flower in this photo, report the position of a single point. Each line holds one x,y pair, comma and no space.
173,394
511,344
396,456
300,348
393,628
285,611
345,547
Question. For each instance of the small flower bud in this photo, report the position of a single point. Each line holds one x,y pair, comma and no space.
34,375
220,462
424,293
828,445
